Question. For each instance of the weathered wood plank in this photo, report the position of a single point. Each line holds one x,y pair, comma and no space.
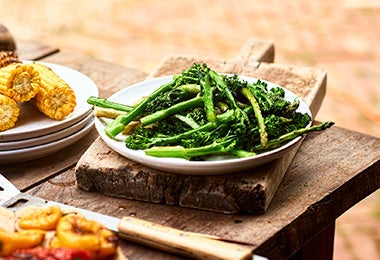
250,191
257,50
251,54
313,193
25,175
28,50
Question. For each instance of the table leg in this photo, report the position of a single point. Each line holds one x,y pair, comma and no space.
320,247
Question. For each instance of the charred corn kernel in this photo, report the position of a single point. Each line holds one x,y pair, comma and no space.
9,112
19,81
56,98
8,57
11,241
77,232
42,218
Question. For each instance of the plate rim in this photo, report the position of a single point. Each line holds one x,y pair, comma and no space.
30,153
48,138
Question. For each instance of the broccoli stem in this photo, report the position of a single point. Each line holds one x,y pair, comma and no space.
221,119
221,84
242,153
274,143
179,107
117,125
260,119
208,99
191,88
187,153
104,103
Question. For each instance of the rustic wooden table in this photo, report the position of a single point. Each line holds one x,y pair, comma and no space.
332,171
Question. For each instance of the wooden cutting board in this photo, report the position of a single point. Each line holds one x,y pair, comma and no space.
103,170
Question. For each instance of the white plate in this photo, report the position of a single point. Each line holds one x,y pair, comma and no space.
13,145
32,123
35,152
181,166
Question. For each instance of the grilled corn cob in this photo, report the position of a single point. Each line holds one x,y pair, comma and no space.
56,99
8,57
9,112
19,81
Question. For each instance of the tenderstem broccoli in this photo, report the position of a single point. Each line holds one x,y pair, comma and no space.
104,103
162,114
208,99
117,126
277,142
188,153
260,119
201,113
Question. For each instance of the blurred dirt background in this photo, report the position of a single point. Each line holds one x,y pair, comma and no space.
340,36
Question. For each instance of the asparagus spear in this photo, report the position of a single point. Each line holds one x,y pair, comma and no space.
208,99
274,143
260,119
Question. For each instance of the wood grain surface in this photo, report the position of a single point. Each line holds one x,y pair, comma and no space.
313,193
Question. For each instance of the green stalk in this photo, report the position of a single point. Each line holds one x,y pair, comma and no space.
187,153
208,99
242,153
118,125
221,84
191,88
260,119
221,119
274,143
104,103
182,106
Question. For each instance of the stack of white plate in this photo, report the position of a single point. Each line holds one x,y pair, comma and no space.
35,135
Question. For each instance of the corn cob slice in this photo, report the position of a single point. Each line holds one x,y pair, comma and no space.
19,81
9,112
56,99
8,57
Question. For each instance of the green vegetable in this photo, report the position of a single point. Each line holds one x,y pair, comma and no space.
102,102
208,99
116,126
188,153
201,113
144,138
248,93
277,142
176,108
